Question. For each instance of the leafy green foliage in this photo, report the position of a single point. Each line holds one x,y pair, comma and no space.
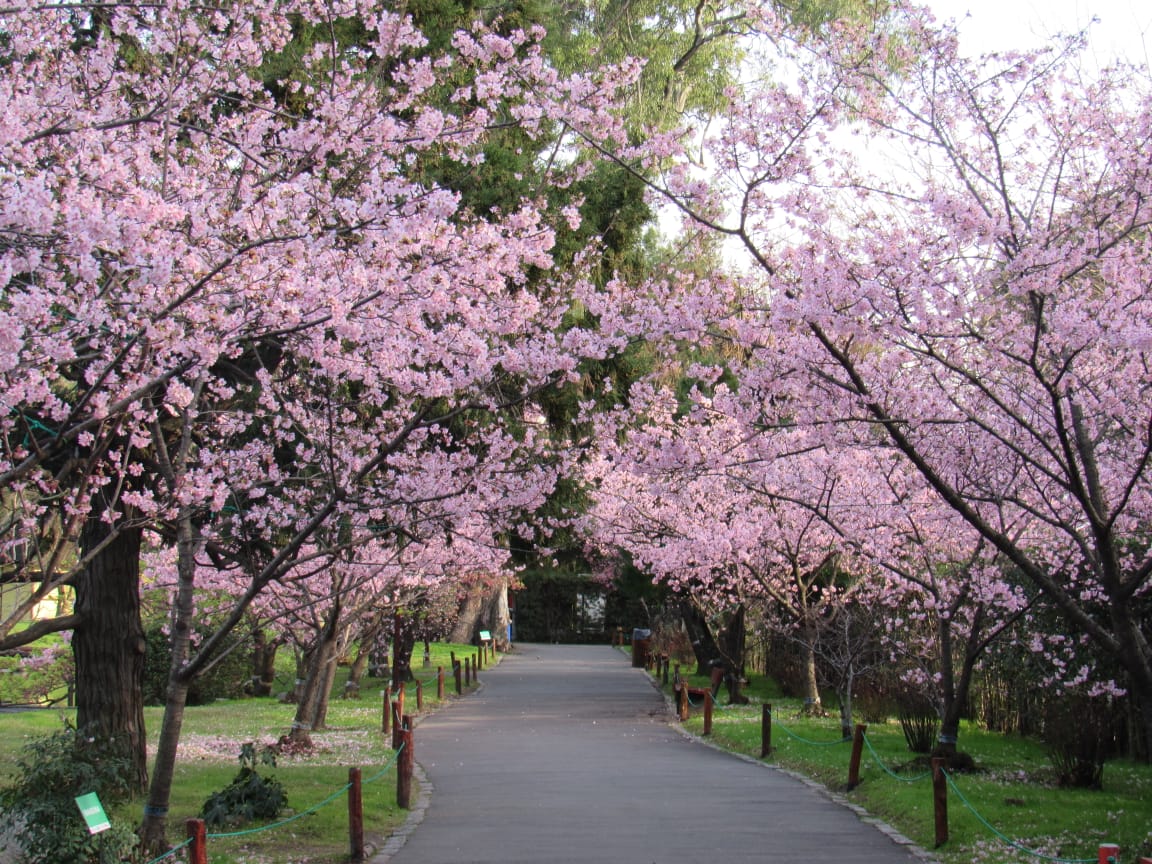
46,824
250,795
224,679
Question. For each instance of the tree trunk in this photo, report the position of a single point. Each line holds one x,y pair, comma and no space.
357,669
703,642
263,664
468,618
312,695
812,702
153,830
732,644
484,608
403,641
108,644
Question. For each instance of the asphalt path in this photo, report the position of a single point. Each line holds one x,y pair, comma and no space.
568,754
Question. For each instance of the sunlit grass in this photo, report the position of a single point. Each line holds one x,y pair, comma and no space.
210,743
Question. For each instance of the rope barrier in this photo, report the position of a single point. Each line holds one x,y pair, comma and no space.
889,771
809,741
999,835
172,851
311,809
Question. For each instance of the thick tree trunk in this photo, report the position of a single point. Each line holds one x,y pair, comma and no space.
108,644
484,608
703,642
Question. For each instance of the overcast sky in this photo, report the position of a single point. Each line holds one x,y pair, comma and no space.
1124,27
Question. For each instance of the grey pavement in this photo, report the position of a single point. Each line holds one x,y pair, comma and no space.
568,754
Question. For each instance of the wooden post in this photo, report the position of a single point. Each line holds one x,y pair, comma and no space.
404,767
386,723
857,752
458,672
475,669
355,816
940,800
683,701
1109,853
198,849
400,701
440,683
467,671
707,712
397,731
419,695
664,669
766,730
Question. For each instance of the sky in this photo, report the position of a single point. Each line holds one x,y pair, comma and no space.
1123,29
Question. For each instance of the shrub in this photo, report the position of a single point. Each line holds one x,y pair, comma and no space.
919,721
44,823
250,795
223,680
1077,736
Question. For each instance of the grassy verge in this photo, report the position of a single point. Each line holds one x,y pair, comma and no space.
1007,811
210,744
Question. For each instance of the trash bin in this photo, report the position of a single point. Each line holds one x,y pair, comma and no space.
641,639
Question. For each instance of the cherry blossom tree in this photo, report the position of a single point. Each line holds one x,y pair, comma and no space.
960,246
236,318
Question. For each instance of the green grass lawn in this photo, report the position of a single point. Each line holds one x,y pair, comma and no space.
1007,811
210,744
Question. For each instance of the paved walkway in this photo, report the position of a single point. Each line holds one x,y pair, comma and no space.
568,754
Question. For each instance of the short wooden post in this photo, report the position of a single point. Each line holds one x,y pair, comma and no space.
707,712
386,723
405,764
857,752
1109,853
664,669
940,800
400,701
765,730
458,672
475,669
397,731
683,702
467,671
198,848
440,683
419,695
355,816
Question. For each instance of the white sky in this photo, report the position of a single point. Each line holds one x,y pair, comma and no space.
1123,28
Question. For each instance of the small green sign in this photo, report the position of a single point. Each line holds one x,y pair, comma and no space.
93,812
485,636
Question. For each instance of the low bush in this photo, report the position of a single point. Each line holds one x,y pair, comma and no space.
44,822
251,795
